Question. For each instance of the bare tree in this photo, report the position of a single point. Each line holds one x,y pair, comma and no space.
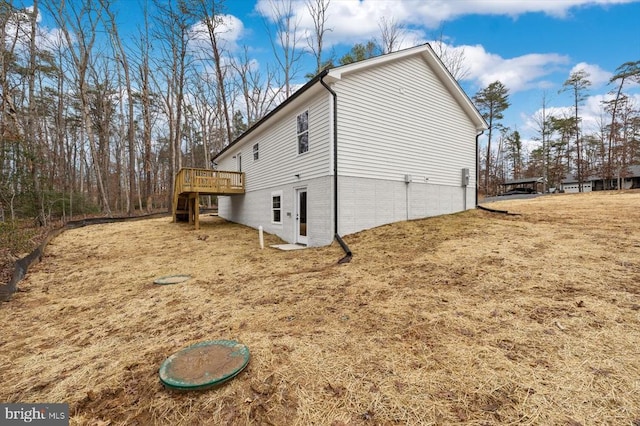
122,58
392,34
210,12
318,11
144,83
285,43
78,24
543,123
207,115
10,137
628,135
173,31
453,58
30,130
258,91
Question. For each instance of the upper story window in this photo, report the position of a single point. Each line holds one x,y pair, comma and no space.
256,153
303,132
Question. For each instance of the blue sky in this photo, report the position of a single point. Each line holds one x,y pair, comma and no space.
531,46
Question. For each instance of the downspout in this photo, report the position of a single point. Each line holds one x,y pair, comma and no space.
347,251
477,165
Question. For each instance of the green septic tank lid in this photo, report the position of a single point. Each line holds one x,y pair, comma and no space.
172,279
204,365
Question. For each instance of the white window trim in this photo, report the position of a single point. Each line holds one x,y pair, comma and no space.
272,209
256,151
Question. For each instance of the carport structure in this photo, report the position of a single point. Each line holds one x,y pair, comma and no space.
530,185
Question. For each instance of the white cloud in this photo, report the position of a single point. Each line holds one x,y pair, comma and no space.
593,113
438,10
357,20
533,121
517,74
597,76
19,27
350,21
229,32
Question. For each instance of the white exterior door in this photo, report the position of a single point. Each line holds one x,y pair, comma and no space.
301,216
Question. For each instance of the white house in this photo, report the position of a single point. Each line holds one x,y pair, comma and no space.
382,140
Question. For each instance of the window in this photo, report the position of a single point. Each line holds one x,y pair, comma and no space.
303,132
276,207
256,154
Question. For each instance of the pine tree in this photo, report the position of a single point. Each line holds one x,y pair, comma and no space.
577,84
491,101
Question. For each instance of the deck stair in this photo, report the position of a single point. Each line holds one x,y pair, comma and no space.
191,183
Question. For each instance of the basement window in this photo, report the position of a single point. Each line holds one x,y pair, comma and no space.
276,207
303,132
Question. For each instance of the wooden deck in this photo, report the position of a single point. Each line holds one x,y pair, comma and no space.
191,183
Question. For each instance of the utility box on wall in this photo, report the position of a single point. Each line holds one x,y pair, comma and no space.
465,177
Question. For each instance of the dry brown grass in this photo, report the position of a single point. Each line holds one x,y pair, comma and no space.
474,318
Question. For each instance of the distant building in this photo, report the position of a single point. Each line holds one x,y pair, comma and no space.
628,178
571,184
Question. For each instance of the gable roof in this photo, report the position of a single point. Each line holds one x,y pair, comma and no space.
436,65
335,74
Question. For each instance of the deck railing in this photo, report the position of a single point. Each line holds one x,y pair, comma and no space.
191,183
209,181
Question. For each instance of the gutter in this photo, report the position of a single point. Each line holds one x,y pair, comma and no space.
477,164
348,255
347,251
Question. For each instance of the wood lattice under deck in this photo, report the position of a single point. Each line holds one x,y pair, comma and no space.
191,183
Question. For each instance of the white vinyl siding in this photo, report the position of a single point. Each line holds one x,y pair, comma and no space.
396,118
399,119
278,141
